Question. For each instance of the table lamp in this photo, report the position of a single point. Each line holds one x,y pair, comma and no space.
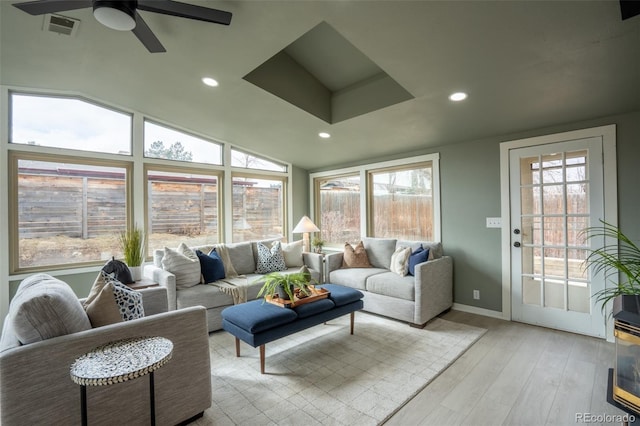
304,227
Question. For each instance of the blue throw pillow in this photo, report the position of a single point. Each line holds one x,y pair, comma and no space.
418,256
211,266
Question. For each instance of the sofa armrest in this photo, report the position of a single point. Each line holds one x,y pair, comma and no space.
314,261
334,261
154,300
433,288
35,387
164,279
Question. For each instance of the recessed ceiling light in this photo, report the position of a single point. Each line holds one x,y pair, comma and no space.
210,81
324,135
458,96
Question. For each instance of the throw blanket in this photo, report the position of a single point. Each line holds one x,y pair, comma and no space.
235,285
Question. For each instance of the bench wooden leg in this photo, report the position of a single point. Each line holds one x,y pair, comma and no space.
353,315
261,359
237,347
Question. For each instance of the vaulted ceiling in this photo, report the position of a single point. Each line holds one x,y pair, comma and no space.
524,65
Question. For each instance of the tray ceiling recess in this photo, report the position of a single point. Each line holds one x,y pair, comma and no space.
325,75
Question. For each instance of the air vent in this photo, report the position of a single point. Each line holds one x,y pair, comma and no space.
61,24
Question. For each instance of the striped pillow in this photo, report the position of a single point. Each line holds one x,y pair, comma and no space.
184,264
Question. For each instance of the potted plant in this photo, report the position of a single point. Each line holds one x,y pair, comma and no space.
317,244
285,285
621,258
133,249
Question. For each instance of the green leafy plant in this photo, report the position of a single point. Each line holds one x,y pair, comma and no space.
621,258
286,284
317,244
133,246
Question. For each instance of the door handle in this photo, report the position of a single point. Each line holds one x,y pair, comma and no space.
516,244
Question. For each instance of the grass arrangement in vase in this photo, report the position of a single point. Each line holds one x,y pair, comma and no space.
132,243
621,257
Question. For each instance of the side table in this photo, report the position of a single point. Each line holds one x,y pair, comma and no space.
143,283
119,361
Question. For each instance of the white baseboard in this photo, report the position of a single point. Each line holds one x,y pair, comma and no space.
479,311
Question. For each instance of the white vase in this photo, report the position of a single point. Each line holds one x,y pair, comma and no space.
136,272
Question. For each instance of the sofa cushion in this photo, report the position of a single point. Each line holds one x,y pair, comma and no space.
420,255
247,317
241,255
270,259
400,261
45,307
342,295
110,302
391,284
183,265
293,253
205,295
435,248
355,257
353,277
211,266
380,251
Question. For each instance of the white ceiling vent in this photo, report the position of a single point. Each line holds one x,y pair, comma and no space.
61,24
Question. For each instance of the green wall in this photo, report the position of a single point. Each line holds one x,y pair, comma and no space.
470,192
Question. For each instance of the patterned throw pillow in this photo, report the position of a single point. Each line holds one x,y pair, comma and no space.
400,261
270,260
110,302
355,257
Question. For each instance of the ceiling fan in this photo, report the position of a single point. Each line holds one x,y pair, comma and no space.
123,15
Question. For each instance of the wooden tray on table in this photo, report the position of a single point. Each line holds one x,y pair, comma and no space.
316,294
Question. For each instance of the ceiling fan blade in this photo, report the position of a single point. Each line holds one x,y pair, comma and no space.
183,10
629,8
41,7
146,36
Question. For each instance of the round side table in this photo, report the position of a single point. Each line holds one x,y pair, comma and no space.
119,361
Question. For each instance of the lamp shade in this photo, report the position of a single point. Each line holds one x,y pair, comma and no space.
305,225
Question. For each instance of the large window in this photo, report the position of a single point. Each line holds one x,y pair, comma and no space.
258,208
250,161
401,199
339,208
66,212
182,207
169,144
69,123
401,202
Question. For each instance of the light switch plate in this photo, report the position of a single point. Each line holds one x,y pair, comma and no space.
494,222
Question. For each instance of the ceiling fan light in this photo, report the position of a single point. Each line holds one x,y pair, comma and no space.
117,15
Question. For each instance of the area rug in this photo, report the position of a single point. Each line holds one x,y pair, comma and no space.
325,376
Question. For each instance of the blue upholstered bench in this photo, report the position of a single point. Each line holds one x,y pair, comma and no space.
258,323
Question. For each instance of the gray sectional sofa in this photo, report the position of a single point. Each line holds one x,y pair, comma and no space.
413,298
244,257
35,385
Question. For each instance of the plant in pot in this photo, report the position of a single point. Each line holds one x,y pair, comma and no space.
317,244
286,286
133,249
620,257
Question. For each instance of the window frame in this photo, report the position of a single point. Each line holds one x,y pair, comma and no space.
182,163
76,97
217,173
364,171
14,156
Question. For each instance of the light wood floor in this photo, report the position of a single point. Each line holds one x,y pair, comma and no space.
516,374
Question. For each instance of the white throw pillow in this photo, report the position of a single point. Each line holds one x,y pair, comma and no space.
293,254
180,263
400,261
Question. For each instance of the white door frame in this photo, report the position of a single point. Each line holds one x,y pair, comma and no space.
608,135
